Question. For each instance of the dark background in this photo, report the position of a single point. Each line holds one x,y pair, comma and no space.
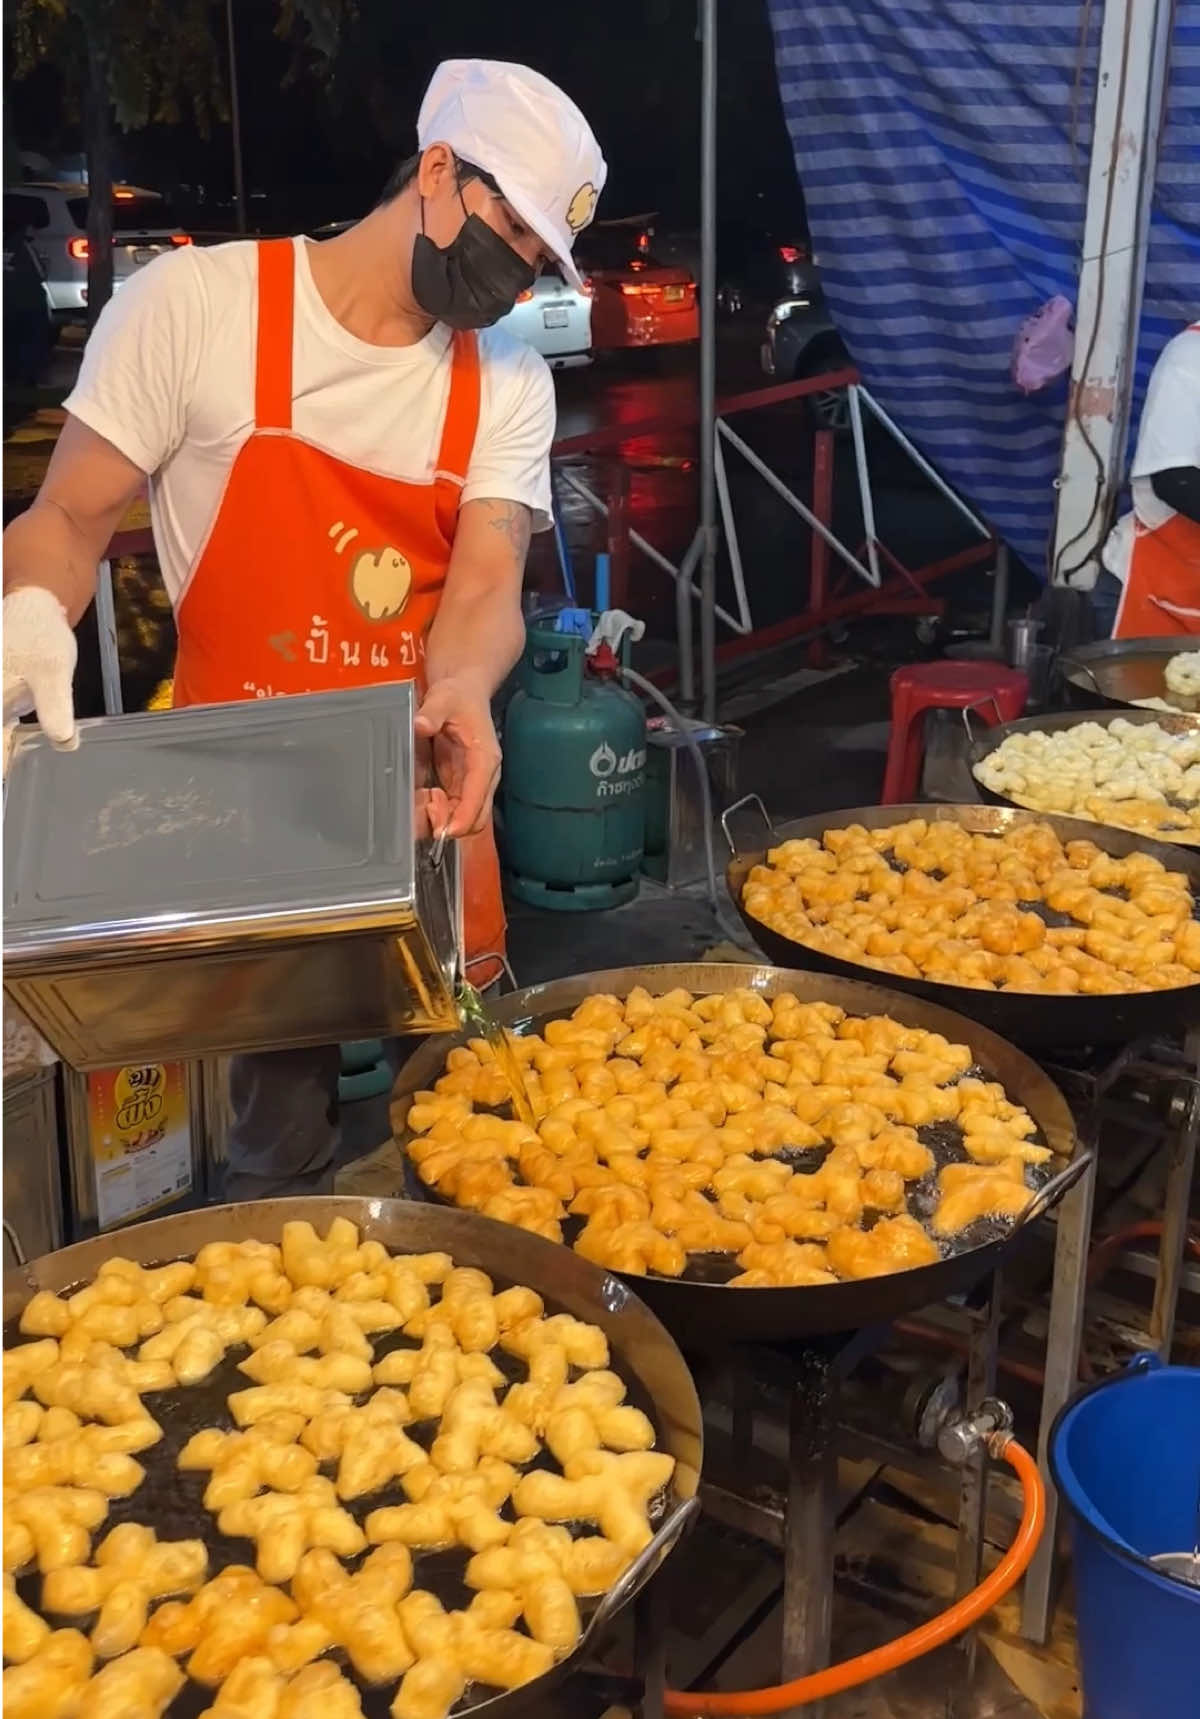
321,151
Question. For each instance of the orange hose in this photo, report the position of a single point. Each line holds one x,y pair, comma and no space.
683,1704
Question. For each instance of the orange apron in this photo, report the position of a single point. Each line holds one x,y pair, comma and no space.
1162,588
317,575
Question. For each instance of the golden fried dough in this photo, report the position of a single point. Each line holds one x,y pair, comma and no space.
932,898
673,1128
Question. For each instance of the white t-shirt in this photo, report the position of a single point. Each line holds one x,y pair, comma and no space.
1168,436
168,378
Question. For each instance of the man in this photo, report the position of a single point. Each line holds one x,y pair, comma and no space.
1150,581
343,479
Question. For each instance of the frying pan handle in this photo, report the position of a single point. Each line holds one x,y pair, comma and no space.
1052,1191
978,704
663,1542
1067,661
746,800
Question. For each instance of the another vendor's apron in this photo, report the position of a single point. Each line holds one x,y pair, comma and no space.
1162,589
318,575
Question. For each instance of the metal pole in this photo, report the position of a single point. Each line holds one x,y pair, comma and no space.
235,117
864,482
683,627
999,600
106,633
708,357
1135,49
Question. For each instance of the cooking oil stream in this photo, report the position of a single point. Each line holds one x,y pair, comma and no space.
474,1014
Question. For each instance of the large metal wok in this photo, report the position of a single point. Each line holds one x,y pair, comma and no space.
642,1352
703,1314
1119,672
1026,1017
985,741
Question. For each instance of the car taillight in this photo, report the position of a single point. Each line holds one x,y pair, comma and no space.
791,254
77,250
587,287
524,297
635,289
181,238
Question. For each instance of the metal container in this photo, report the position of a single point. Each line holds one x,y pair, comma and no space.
33,1207
1022,641
227,878
1057,1019
988,740
704,1313
674,804
642,1353
1121,672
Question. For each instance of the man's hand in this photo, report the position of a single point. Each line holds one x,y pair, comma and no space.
39,663
456,718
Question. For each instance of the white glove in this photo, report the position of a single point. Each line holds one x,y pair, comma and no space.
611,628
39,663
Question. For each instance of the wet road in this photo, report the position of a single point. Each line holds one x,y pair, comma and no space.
915,523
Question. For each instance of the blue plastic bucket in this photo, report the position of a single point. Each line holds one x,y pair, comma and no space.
1125,1457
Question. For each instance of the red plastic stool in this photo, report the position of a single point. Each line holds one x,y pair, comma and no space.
998,693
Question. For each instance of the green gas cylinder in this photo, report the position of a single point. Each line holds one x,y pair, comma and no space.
572,792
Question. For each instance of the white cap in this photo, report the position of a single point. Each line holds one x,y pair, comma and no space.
528,135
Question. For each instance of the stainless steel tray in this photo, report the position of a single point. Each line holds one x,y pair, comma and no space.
226,878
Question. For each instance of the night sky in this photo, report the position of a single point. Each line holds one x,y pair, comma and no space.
322,153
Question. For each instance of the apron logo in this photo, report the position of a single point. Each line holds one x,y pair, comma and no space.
582,207
380,579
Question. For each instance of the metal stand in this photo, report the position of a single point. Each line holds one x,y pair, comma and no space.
1064,1338
1067,1296
651,1616
1181,1168
810,1519
973,1489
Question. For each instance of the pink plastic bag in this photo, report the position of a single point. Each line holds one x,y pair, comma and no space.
1044,345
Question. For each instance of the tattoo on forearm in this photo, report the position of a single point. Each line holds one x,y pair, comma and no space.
511,518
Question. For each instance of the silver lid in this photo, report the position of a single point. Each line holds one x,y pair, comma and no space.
212,824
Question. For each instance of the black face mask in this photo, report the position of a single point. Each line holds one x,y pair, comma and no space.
471,282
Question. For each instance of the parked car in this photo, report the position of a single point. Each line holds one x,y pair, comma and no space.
638,299
28,332
143,227
555,319
757,265
802,340
552,317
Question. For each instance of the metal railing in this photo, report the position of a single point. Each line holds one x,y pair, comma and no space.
823,607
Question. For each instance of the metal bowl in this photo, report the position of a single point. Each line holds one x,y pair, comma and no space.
642,1350
1024,1017
1118,672
706,1315
985,741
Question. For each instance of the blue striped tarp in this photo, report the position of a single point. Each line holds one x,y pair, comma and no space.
943,151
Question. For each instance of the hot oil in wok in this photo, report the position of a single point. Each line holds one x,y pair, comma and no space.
171,1501
944,1140
475,1015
